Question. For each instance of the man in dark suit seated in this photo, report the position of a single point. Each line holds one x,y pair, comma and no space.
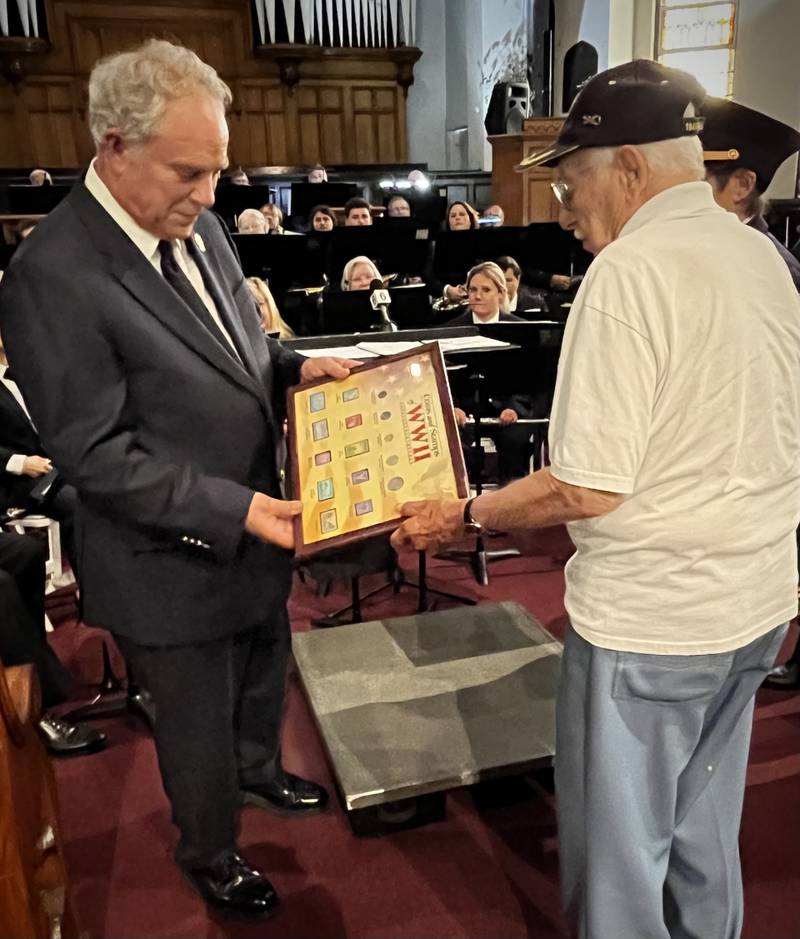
520,297
23,641
487,296
159,398
23,465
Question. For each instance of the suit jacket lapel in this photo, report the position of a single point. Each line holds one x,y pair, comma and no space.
230,316
149,288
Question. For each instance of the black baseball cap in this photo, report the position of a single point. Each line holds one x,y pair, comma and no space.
742,137
638,102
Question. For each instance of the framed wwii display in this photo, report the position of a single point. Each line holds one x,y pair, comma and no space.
361,446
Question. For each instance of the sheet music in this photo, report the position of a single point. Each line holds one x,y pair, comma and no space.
470,343
389,348
340,352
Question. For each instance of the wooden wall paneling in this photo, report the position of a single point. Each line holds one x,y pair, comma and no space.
331,125
11,146
259,124
309,138
293,104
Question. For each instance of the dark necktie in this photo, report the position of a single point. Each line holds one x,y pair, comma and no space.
182,286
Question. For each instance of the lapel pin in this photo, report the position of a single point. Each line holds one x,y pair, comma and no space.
199,242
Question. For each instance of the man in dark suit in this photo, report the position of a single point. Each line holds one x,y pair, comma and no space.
23,466
139,352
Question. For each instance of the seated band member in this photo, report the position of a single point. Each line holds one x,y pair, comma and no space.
398,207
23,641
252,222
40,177
357,212
271,319
317,174
488,303
274,216
461,217
23,464
520,297
742,150
322,218
494,216
358,273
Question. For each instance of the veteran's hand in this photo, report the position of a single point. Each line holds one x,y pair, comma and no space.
327,367
508,416
271,519
461,417
429,524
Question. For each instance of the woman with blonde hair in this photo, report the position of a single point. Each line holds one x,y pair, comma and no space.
271,319
487,296
359,272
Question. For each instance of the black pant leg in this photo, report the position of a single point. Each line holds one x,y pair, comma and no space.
513,444
194,691
23,640
261,671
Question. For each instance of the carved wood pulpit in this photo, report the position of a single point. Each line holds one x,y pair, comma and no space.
525,197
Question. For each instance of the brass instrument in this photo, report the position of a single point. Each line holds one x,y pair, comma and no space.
444,304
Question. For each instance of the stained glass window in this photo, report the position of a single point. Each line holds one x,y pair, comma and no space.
699,38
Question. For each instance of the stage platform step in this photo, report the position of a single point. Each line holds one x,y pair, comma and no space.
413,706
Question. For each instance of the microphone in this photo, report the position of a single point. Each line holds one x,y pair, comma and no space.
380,300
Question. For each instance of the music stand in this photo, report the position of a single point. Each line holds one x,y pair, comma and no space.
35,200
349,311
394,249
527,365
231,200
283,261
305,196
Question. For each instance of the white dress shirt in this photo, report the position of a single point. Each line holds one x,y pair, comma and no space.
492,319
147,243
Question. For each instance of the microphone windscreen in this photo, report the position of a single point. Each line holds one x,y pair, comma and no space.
376,284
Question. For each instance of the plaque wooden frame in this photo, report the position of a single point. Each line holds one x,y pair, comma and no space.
445,475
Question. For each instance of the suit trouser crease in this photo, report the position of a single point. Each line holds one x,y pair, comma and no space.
651,756
218,714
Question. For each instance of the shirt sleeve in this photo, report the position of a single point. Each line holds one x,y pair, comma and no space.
600,422
16,464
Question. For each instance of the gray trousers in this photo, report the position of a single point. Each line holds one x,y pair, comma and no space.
651,754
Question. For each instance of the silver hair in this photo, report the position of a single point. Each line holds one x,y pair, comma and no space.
130,90
254,214
676,155
347,273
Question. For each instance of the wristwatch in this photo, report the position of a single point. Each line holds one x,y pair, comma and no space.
472,527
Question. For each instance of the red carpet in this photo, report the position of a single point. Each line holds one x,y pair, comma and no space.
488,872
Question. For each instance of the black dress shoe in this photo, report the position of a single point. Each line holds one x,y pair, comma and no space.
65,739
287,795
231,885
784,677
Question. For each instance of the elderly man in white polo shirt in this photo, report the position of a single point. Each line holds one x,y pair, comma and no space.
676,462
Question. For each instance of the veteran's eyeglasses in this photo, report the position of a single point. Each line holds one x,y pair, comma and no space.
562,192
